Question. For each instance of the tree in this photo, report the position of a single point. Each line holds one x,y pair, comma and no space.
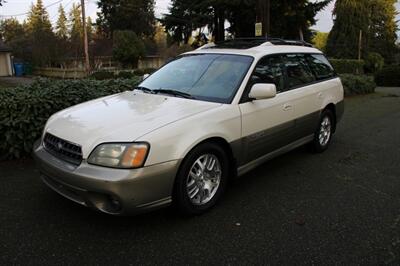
185,16
76,30
320,39
13,33
42,37
292,18
132,15
61,25
382,29
374,18
89,28
11,29
188,15
127,47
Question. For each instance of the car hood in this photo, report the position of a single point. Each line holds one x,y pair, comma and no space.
123,117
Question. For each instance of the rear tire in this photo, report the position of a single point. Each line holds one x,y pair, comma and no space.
201,179
323,134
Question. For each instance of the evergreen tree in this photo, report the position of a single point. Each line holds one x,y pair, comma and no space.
289,18
127,48
376,20
292,18
76,25
132,15
14,34
11,29
40,31
76,30
89,28
382,28
185,16
61,25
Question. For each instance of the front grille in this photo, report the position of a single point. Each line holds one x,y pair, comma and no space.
63,149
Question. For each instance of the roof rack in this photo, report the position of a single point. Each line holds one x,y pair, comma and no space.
246,43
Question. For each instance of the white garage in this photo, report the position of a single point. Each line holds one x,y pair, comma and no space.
5,60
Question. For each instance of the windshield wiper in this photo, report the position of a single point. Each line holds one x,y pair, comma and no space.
174,93
144,89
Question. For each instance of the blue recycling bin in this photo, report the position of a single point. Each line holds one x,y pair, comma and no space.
19,69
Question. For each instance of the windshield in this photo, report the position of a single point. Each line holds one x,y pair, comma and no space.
209,77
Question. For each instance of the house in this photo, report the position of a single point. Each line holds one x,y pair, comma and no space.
5,60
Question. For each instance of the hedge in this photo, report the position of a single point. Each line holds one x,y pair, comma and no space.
348,66
389,76
357,84
24,110
102,75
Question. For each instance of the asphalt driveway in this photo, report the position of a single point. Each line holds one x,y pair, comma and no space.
339,207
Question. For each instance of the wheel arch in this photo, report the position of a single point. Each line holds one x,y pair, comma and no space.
332,107
224,144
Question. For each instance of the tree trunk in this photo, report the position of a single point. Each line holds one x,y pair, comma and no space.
219,24
216,27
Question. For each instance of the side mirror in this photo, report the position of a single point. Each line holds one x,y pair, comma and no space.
145,76
262,91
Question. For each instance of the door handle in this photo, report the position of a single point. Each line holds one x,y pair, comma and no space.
287,107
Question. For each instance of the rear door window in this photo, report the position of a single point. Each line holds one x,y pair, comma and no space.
298,73
320,66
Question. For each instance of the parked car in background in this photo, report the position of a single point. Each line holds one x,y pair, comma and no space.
207,116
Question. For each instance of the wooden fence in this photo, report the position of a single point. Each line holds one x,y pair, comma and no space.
98,64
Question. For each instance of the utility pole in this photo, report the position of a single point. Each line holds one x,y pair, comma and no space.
85,38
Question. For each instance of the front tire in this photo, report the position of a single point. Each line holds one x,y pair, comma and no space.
323,134
201,179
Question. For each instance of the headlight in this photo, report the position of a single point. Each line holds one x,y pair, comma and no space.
120,155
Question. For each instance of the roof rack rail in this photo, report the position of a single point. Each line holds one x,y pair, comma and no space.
246,43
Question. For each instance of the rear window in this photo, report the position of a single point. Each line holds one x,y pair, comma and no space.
320,66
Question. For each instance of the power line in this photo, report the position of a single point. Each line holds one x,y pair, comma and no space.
26,13
65,6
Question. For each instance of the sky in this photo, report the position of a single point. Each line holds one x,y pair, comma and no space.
19,7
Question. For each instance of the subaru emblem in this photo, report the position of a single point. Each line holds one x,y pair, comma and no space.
59,146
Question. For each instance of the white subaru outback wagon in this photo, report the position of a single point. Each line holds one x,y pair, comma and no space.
203,118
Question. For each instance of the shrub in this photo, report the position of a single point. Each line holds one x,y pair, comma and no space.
373,63
102,75
348,66
389,76
24,110
127,47
357,84
125,75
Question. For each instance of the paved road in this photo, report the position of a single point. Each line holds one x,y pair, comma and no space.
340,207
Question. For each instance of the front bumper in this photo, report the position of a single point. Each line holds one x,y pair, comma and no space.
113,191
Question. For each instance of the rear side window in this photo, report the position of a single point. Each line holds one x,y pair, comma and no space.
298,72
320,66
